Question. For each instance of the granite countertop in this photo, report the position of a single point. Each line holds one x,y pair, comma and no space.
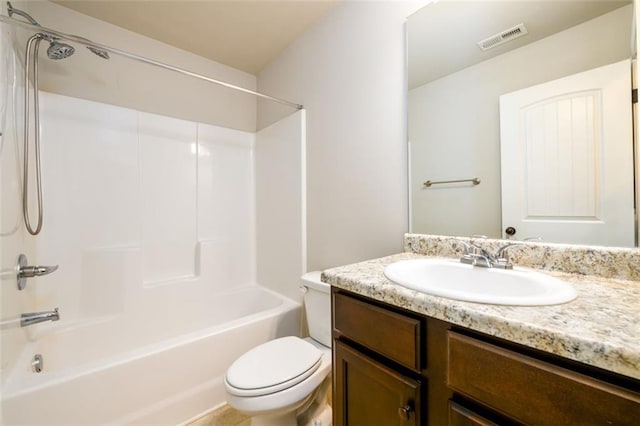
600,328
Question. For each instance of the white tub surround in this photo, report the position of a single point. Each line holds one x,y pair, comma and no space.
152,220
599,328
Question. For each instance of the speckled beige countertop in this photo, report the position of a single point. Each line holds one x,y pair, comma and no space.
601,327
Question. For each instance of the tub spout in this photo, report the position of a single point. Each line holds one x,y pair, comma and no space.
36,317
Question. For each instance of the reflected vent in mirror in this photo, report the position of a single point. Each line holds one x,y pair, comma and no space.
503,37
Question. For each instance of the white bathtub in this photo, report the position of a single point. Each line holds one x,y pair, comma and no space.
136,375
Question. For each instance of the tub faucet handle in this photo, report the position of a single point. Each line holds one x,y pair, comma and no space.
36,271
25,271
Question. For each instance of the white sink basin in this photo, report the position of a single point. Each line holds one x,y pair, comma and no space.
455,280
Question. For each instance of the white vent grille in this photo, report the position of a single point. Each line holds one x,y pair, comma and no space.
503,37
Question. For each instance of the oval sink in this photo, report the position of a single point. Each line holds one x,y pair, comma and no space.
455,280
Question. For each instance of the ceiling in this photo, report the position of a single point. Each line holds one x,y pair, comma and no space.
442,36
244,34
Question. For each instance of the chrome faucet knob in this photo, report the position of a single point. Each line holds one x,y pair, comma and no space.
25,271
36,271
468,256
468,248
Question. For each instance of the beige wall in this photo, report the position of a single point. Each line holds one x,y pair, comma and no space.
349,72
454,125
125,82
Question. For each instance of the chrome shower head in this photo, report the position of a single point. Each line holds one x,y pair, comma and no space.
56,50
59,50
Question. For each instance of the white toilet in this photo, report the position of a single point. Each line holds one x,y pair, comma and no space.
277,380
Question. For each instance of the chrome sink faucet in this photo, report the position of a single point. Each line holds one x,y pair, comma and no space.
477,256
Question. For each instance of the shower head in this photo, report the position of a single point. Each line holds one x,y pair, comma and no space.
59,50
56,50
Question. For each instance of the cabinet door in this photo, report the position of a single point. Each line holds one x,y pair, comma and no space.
369,393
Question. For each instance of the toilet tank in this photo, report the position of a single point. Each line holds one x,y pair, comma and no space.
317,305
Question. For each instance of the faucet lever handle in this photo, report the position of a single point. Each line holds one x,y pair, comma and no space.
25,271
501,261
501,251
474,255
36,271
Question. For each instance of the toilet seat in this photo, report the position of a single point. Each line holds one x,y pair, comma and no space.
273,366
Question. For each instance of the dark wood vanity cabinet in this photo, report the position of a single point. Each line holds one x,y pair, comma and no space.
380,356
396,367
373,393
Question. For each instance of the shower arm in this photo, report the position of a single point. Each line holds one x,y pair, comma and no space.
11,11
88,43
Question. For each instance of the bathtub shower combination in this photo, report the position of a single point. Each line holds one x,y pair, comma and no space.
159,227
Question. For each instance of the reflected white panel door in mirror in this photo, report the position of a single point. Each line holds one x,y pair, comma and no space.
567,159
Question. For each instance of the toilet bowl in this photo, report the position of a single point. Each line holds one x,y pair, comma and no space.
277,380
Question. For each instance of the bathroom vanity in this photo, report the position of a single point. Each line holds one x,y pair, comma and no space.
407,358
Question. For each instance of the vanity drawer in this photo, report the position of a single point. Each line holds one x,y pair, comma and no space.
462,416
389,333
533,391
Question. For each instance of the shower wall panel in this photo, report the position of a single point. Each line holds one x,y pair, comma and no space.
13,240
130,201
281,205
225,165
168,172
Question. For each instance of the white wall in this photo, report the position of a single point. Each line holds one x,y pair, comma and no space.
348,71
454,122
125,82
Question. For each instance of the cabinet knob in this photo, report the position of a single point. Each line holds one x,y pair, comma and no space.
405,412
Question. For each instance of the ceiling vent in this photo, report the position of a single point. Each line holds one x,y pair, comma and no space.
503,37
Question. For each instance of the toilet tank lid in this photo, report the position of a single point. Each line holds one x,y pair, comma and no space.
312,279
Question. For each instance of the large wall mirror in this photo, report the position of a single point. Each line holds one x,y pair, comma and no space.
520,120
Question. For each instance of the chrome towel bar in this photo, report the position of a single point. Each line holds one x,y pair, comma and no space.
475,181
